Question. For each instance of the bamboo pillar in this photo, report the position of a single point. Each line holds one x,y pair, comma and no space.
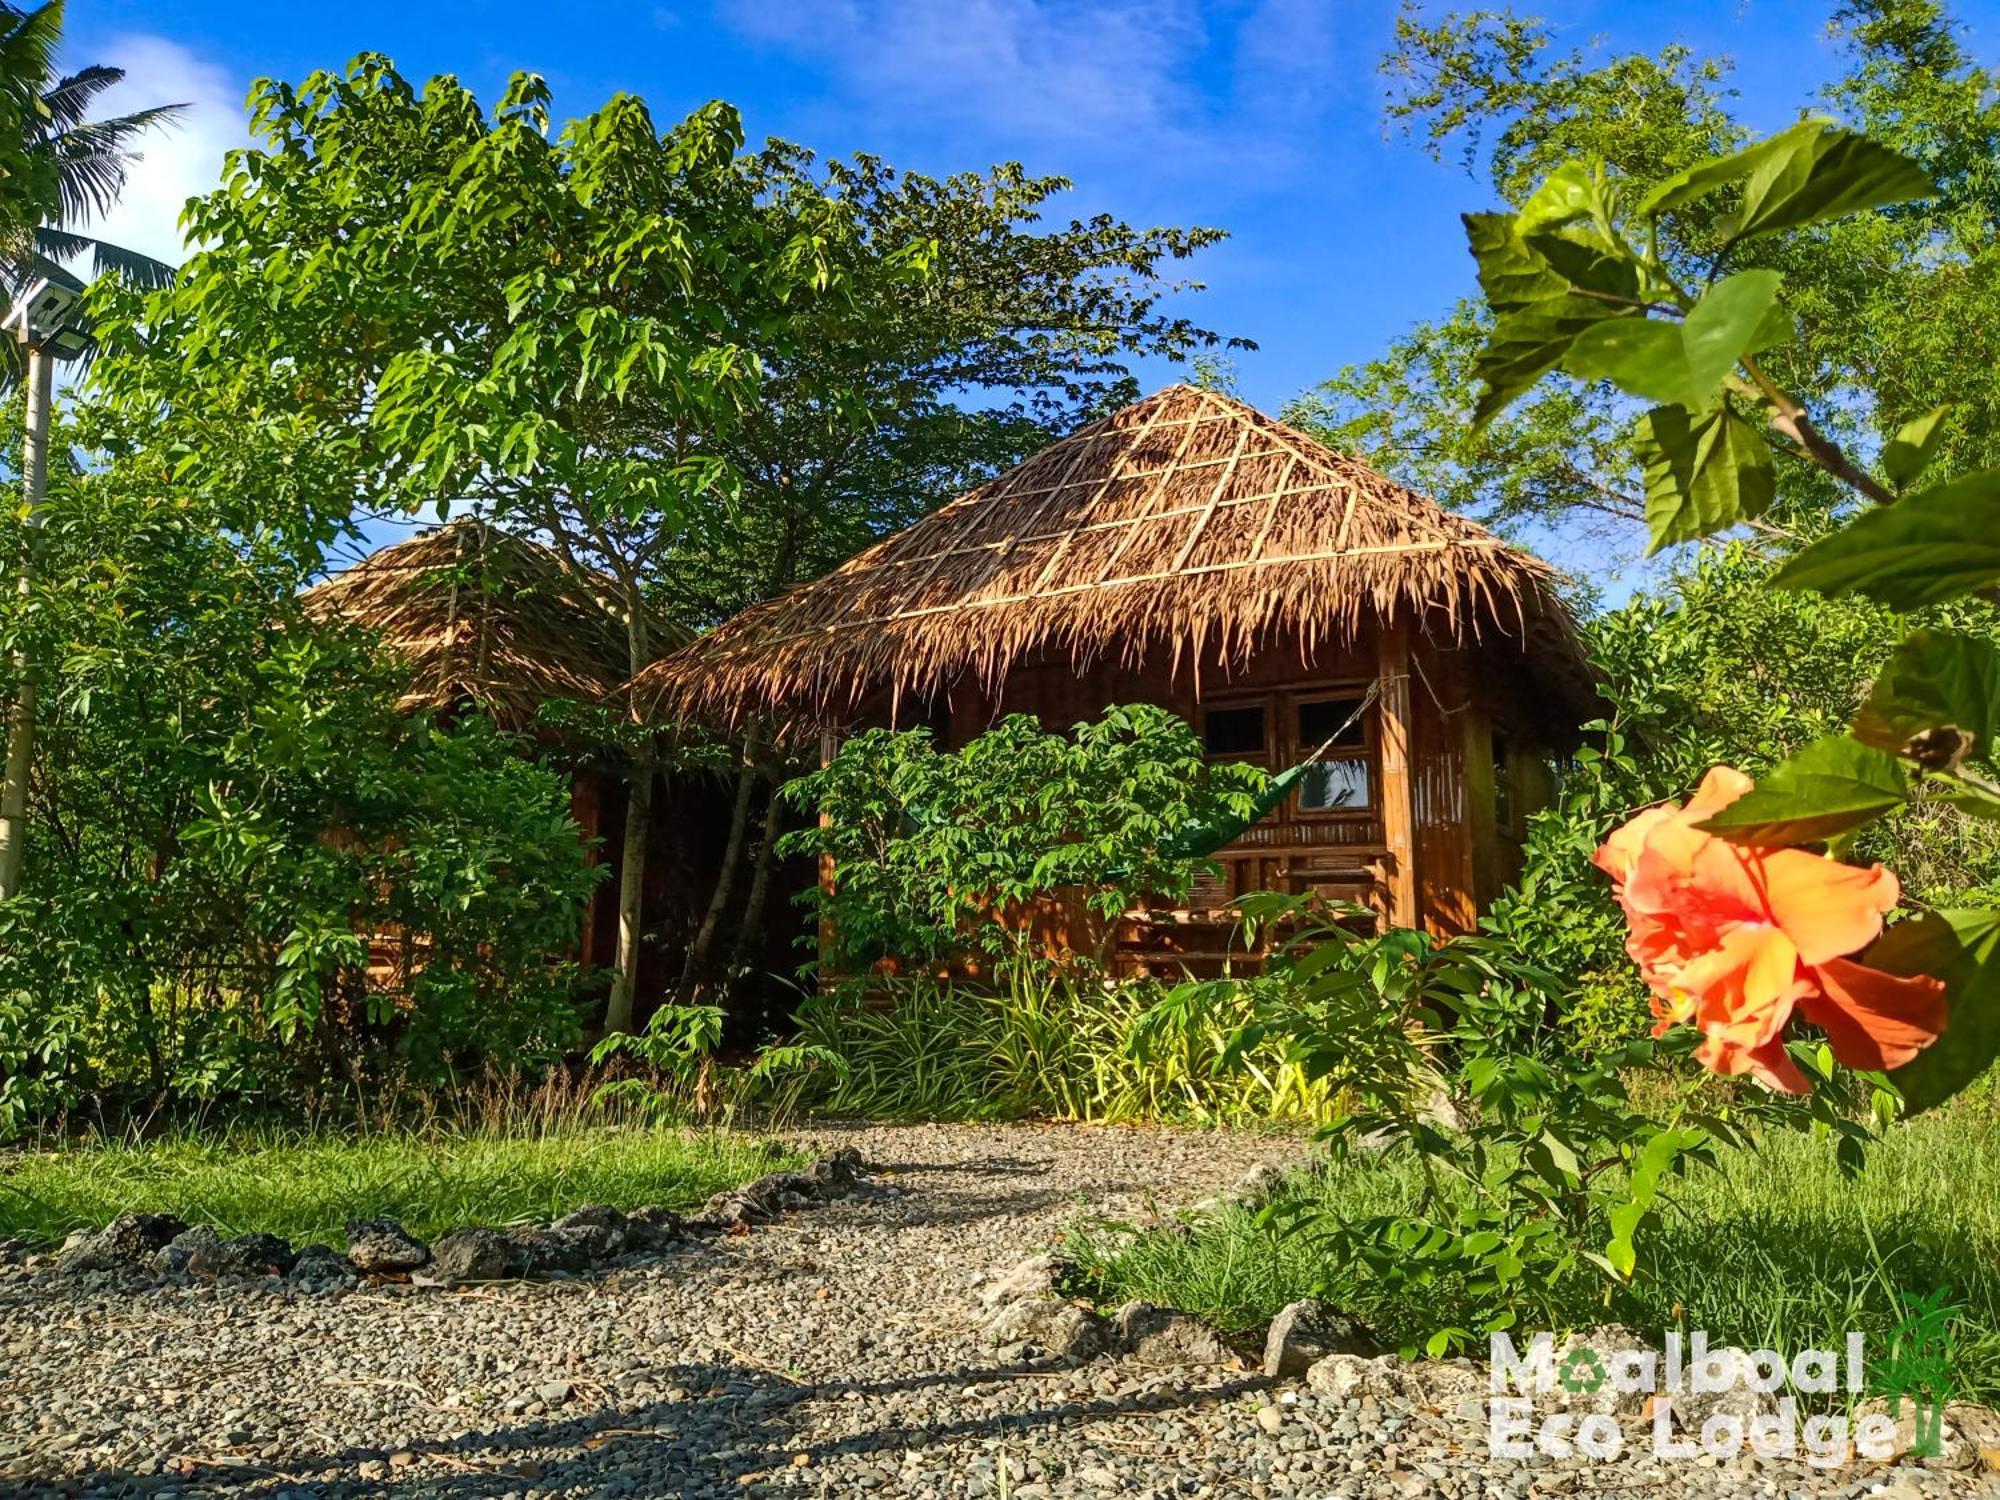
829,746
1398,809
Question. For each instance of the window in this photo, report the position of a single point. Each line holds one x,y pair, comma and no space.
1234,731
1338,730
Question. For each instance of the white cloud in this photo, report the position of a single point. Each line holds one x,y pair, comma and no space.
1039,70
177,161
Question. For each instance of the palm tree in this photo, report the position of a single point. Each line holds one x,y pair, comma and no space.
62,169
58,169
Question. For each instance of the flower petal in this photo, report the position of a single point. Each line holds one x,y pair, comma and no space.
1875,1019
1827,908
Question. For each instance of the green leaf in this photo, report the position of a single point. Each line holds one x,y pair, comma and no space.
1959,948
1934,680
1732,319
1702,477
1829,787
1823,172
1909,452
1704,177
1569,193
1940,544
1683,364
1537,311
1642,356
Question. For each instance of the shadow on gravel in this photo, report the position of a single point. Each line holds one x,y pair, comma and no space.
706,1446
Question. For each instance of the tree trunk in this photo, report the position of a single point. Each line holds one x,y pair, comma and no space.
760,883
618,1010
725,883
21,712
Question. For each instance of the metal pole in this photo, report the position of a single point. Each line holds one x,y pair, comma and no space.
21,712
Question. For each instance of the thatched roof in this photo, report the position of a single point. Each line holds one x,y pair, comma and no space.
487,617
1189,523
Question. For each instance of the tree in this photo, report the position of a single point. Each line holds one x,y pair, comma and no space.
59,169
411,302
1896,311
228,807
904,392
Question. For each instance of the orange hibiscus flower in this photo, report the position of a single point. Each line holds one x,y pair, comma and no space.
1732,939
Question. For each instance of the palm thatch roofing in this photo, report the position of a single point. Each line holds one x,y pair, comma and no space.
490,618
1187,522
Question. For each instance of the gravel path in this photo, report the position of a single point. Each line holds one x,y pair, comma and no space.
835,1353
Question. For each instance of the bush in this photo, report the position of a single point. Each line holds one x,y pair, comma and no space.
225,801
928,846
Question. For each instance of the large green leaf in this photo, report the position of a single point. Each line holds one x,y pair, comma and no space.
1934,680
1685,363
1958,947
1830,787
1941,544
1702,476
1704,177
1538,314
1823,172
1906,455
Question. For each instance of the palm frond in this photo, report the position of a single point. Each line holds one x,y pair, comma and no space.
68,103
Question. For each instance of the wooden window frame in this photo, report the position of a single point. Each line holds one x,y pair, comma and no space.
1369,750
1281,747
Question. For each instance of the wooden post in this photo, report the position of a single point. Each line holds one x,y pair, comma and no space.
1398,812
829,747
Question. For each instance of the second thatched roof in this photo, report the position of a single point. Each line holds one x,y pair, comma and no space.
1188,522
489,618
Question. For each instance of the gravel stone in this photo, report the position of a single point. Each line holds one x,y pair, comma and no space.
852,1334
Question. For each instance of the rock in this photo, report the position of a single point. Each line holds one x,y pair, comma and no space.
1306,1332
554,1393
320,1266
540,1252
1692,1408
1047,1323
1344,1375
836,1170
591,1216
476,1255
1605,1344
1271,1419
1161,1336
1978,1428
246,1255
174,1257
654,1228
382,1247
128,1241
1033,1277
1258,1186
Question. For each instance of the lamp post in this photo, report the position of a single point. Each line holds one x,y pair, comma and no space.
46,320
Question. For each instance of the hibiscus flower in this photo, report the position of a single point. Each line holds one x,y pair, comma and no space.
1732,939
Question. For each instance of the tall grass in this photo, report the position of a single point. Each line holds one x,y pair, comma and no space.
1775,1250
1045,1047
305,1184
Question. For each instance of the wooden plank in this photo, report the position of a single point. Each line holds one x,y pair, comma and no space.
1398,805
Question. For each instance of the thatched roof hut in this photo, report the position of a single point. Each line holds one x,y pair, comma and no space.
1187,524
489,618
1297,608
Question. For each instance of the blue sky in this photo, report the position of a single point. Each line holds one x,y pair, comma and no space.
1259,116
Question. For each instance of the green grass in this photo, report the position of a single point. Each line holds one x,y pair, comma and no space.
1777,1250
305,1186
